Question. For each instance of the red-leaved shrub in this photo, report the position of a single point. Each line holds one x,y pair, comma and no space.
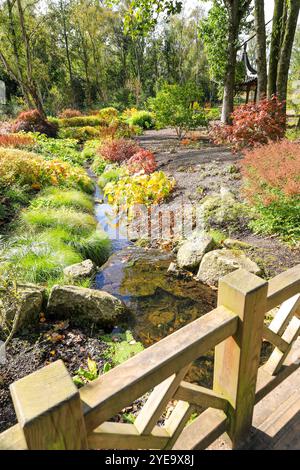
252,124
32,121
118,150
272,170
69,113
15,140
142,162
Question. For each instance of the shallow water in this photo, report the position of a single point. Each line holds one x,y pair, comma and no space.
160,302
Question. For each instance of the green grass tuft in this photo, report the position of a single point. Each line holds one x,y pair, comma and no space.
57,198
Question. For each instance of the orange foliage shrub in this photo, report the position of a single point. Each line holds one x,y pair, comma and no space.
15,140
272,174
69,113
252,124
32,121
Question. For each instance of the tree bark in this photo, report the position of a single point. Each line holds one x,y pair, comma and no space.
261,49
229,84
286,49
275,46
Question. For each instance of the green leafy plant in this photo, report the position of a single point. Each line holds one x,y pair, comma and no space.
86,375
139,189
173,108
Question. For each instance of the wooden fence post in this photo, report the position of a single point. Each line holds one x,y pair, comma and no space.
48,408
237,358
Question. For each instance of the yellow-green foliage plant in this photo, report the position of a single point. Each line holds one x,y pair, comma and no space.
139,189
34,171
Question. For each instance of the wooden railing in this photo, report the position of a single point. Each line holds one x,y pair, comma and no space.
53,414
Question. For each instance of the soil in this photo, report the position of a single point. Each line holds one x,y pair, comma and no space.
35,349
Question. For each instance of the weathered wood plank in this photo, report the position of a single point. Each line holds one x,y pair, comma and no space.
157,402
283,286
267,382
125,436
275,339
200,396
277,357
237,358
110,393
203,431
282,318
177,421
48,408
13,439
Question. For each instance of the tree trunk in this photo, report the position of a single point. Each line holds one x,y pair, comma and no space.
275,46
261,49
286,49
229,84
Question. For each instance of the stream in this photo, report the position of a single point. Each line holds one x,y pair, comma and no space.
160,302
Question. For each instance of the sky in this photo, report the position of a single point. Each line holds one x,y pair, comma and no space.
269,5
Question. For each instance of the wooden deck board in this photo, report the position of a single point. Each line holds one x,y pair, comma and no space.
276,420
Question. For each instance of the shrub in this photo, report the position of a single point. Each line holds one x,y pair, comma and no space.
82,121
81,134
273,187
212,114
66,150
34,171
111,173
108,114
118,150
142,162
69,113
99,165
172,107
143,119
252,124
15,140
90,149
139,189
32,121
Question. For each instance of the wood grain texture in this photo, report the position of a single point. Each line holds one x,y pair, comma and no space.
49,411
125,436
283,287
200,396
237,358
157,402
110,393
203,431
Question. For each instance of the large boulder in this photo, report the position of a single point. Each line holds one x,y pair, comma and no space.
218,263
27,304
192,251
82,305
79,271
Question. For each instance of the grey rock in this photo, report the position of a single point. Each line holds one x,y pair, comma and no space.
218,263
28,305
82,305
191,252
80,271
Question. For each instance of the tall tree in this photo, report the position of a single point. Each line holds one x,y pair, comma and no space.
286,49
261,59
237,10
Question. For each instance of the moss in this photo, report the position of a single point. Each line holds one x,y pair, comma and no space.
121,347
224,212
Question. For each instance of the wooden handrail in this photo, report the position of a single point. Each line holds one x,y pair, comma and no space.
65,418
107,395
283,286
